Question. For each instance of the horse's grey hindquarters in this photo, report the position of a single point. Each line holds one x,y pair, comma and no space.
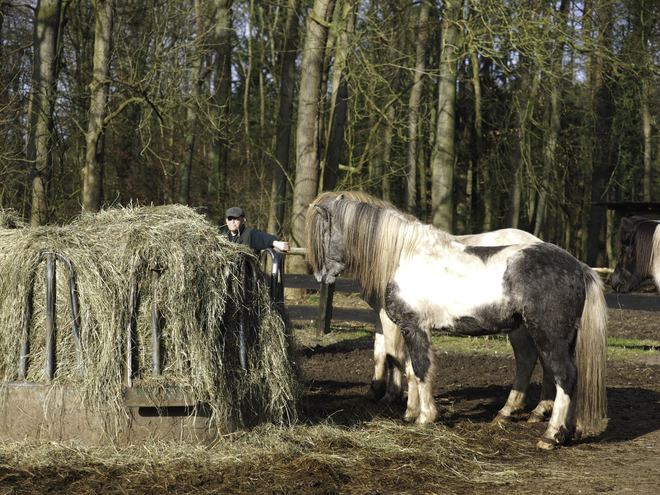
427,279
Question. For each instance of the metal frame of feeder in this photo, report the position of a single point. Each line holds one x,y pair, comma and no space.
136,396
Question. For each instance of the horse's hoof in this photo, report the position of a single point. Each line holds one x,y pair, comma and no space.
536,418
392,399
546,444
370,396
502,418
375,393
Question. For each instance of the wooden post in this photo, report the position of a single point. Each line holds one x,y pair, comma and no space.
324,318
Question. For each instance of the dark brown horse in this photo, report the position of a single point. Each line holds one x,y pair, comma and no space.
639,243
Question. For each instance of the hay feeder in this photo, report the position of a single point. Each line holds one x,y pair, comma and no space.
166,331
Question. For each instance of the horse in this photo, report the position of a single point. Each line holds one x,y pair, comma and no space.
638,241
389,348
425,279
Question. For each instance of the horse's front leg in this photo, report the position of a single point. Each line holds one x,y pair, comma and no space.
389,358
395,351
379,382
412,405
421,406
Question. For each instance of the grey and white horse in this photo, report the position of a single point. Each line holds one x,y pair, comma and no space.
426,279
390,359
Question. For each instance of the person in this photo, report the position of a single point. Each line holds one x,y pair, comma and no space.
248,236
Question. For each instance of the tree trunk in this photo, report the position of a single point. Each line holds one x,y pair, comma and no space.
648,148
384,173
413,107
307,172
192,109
550,153
338,101
478,152
603,109
287,89
94,159
42,104
442,159
222,98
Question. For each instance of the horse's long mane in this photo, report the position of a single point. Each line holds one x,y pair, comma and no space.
376,237
643,233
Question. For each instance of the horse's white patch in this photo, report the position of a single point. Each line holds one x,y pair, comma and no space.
443,286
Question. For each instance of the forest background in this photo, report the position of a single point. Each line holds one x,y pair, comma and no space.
472,115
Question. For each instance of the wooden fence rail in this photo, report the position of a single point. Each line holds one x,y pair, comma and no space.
640,302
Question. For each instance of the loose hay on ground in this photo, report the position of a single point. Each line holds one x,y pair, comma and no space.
199,297
361,459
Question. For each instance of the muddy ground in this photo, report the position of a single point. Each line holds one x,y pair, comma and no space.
348,458
470,388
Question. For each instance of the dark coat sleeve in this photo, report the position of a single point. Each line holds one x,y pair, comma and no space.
261,240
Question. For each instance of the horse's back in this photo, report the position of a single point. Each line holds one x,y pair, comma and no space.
498,238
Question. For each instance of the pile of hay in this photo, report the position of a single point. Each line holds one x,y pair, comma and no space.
10,219
199,296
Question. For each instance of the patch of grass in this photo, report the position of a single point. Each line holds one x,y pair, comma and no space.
631,349
356,332
488,344
617,348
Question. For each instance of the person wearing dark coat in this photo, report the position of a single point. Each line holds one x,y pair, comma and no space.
248,236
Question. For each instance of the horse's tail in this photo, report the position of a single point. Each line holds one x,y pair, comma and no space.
591,354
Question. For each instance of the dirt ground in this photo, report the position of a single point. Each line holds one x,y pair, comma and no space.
470,388
480,457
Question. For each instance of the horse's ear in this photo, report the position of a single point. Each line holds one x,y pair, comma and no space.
341,196
323,212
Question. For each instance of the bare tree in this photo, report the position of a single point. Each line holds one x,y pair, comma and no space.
93,173
192,115
285,112
603,112
338,106
442,159
222,100
307,171
42,104
413,105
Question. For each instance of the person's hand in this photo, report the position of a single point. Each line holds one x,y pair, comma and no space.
281,245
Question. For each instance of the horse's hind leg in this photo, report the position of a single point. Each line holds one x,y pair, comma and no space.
526,355
562,424
547,401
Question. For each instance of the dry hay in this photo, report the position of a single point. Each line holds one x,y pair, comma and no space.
379,456
199,296
10,219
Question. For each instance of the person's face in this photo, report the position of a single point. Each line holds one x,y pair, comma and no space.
234,223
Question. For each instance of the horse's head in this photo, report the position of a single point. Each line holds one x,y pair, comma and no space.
635,241
325,244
